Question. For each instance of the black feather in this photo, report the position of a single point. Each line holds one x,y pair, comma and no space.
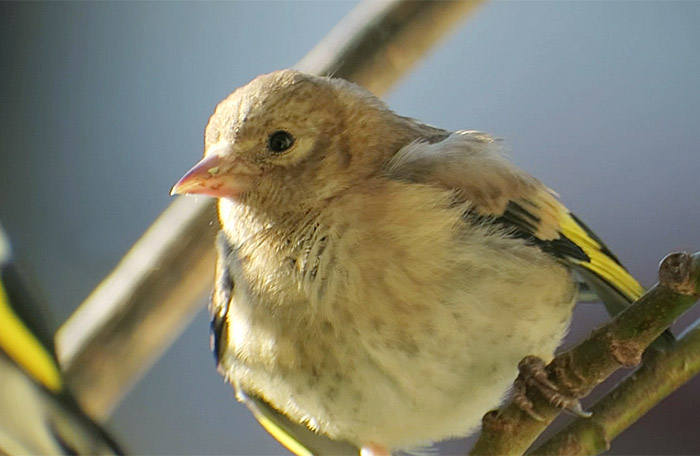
519,223
221,297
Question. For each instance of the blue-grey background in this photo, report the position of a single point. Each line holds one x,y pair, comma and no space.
103,106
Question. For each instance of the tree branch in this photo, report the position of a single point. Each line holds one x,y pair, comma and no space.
661,373
620,343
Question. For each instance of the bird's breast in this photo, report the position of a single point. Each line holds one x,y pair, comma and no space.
388,304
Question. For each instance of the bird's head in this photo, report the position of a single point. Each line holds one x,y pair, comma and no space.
293,139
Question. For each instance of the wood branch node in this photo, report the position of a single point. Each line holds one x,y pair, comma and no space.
676,272
571,445
626,352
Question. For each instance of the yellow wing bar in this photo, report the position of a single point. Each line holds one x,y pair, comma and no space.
600,262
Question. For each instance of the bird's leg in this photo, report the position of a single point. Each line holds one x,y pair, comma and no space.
533,374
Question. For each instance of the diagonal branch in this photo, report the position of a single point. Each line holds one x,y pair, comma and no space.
620,343
141,307
660,374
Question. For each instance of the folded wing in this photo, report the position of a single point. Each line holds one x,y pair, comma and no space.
471,164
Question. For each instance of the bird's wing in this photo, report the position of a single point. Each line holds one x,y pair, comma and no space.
39,416
471,164
24,337
221,297
296,437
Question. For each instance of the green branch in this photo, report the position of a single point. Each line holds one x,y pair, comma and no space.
620,343
660,374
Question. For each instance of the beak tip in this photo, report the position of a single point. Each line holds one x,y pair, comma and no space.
177,188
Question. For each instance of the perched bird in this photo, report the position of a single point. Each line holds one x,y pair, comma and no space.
379,279
37,413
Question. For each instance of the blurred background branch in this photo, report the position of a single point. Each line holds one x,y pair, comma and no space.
143,305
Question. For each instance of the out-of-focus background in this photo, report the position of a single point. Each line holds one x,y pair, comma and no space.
102,108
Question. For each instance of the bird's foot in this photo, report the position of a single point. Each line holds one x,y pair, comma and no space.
533,374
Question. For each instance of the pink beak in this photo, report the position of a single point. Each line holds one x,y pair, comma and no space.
214,176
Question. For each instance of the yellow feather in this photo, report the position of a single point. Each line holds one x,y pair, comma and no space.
600,263
280,434
21,345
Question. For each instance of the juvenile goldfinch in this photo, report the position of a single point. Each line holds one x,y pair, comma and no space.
379,279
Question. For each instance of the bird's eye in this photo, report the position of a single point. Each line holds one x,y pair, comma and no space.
279,141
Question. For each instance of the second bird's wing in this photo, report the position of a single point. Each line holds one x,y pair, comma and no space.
38,415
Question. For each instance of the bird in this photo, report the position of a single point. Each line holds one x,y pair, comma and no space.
39,413
378,278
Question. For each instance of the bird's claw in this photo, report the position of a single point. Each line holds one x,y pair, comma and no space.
533,374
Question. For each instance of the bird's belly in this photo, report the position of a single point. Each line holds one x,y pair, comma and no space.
402,366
